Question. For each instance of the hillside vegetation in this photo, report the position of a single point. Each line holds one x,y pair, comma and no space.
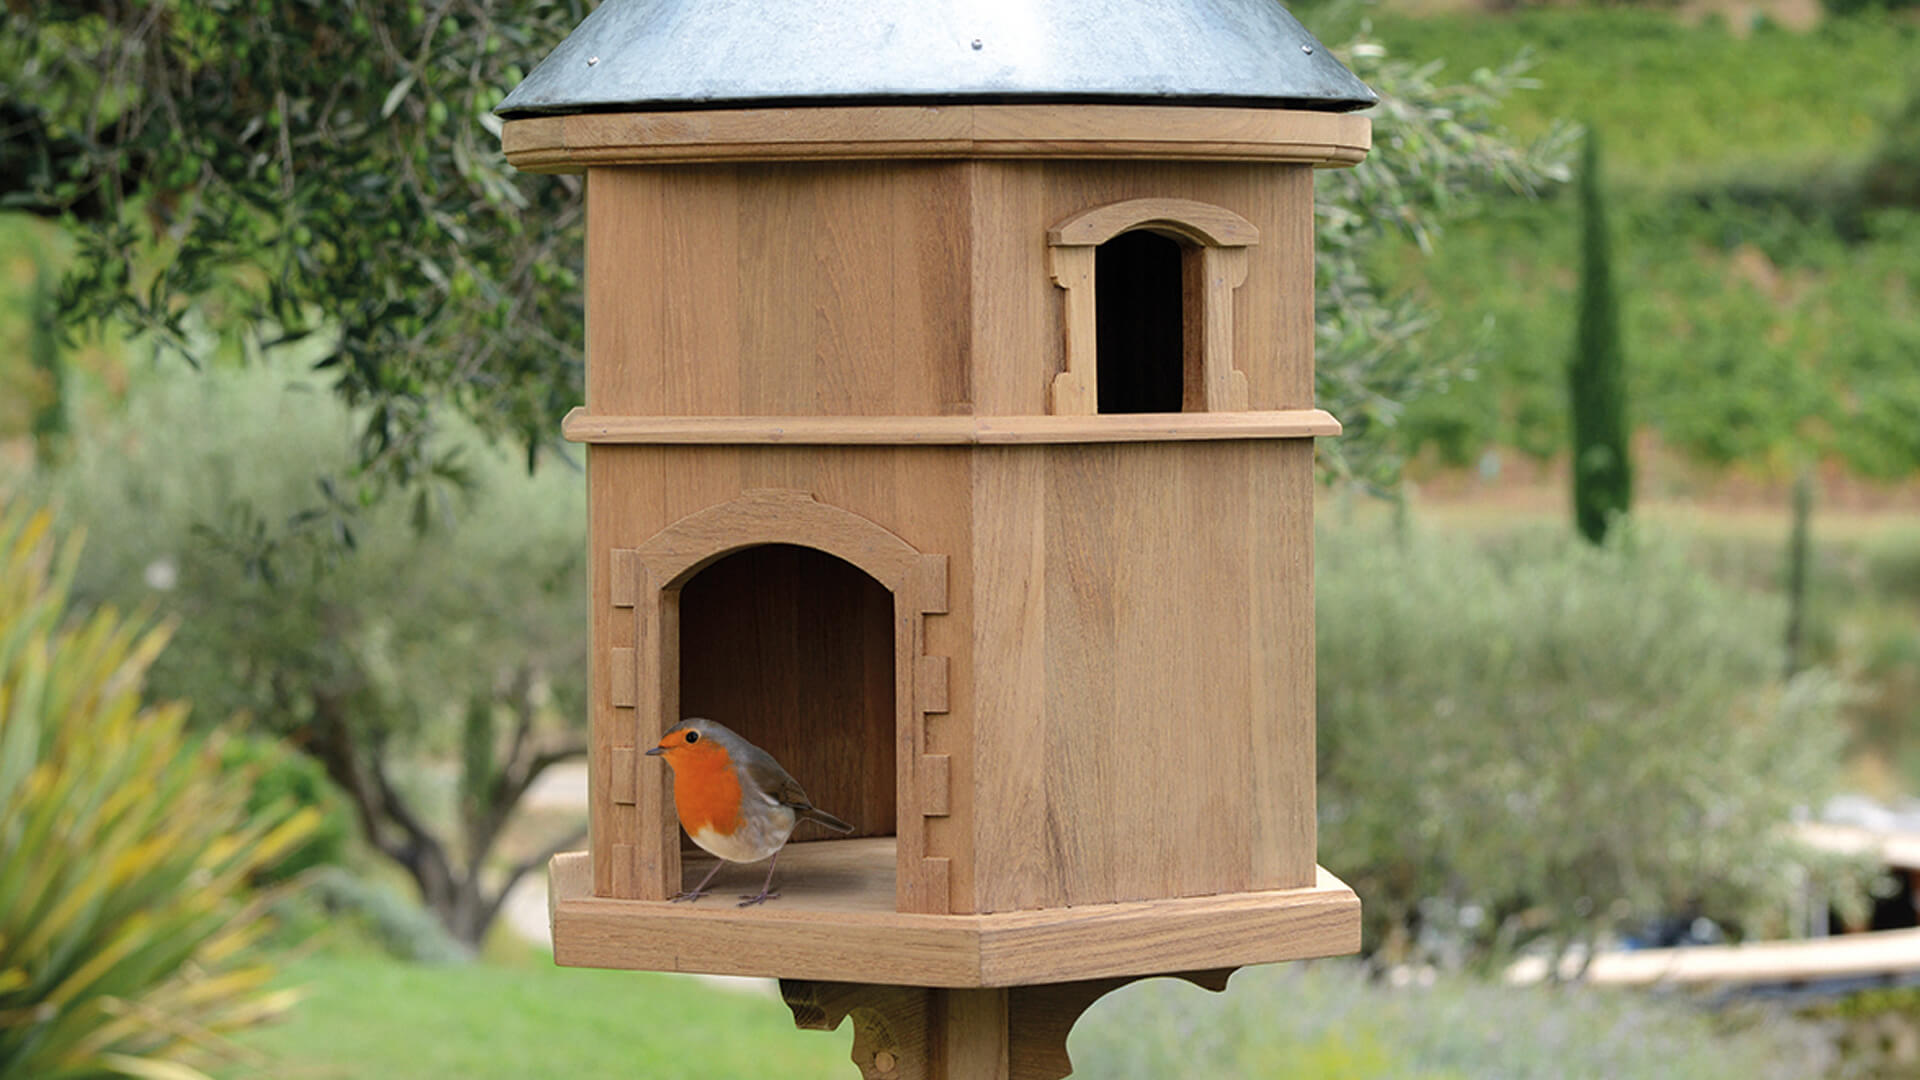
1771,305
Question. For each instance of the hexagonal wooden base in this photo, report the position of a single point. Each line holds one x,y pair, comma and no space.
835,922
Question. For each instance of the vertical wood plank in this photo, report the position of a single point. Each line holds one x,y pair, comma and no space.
626,303
853,272
929,318
1017,341
777,292
1013,869
700,282
1285,293
1082,740
1281,509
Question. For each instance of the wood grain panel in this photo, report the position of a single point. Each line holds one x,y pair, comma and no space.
777,285
1016,341
1083,783
1012,865
1280,509
626,304
699,281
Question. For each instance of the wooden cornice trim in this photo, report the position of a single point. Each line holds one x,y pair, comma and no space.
583,427
844,133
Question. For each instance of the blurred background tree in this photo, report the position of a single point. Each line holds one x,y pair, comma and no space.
270,172
433,672
1596,373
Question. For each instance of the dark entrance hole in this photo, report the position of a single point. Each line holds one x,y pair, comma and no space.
793,648
1139,310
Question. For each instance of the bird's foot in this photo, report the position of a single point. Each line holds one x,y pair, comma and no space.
758,898
687,896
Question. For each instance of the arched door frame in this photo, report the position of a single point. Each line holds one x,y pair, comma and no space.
1213,264
647,579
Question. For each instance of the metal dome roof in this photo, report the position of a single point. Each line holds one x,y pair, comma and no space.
668,54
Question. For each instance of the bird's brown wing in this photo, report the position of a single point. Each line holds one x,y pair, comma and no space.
765,774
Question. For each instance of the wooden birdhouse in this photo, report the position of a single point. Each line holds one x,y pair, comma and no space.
949,424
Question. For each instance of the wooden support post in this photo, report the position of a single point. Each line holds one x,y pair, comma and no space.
929,1033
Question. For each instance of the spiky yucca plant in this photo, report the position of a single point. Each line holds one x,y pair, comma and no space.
125,919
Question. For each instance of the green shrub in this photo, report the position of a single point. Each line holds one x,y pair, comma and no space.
125,917
278,777
1328,1021
392,920
1548,739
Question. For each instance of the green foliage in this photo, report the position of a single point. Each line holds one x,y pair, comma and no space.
1330,1022
1773,313
1704,105
279,170
278,777
1442,154
1756,338
125,924
1598,736
1892,176
385,916
1596,376
364,660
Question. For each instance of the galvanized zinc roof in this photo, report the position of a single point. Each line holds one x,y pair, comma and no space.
664,54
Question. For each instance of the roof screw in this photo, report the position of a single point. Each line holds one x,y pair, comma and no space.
978,44
1308,49
592,60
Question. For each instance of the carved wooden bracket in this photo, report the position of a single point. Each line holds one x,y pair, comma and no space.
1214,263
924,1033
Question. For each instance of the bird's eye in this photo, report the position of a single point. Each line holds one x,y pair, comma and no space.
693,736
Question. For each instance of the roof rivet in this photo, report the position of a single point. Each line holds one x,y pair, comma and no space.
978,44
592,60
1308,49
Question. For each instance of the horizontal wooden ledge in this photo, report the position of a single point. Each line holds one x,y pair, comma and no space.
584,427
844,133
830,924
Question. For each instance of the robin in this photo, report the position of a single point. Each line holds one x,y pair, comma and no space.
734,799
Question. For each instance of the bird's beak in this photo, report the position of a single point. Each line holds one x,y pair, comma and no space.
656,751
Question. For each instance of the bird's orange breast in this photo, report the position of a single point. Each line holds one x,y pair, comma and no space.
706,789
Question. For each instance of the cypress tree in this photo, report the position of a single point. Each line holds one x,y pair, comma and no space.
1596,375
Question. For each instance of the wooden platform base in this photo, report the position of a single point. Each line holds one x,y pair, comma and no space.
834,922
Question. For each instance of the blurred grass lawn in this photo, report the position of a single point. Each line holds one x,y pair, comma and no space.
366,1016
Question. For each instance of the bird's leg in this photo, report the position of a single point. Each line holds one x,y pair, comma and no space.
764,895
700,890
